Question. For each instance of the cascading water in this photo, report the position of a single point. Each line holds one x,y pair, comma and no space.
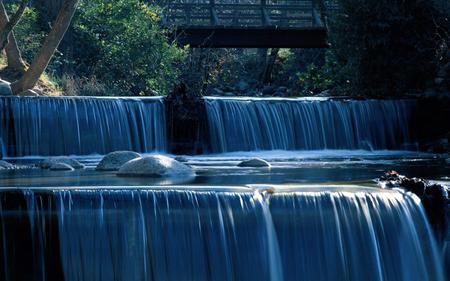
64,126
348,235
308,124
308,234
164,235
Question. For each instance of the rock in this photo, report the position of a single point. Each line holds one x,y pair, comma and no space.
47,163
243,86
325,93
281,92
438,81
155,166
28,93
268,90
439,146
181,159
5,165
434,198
61,167
5,88
447,161
114,160
228,89
229,94
216,92
254,162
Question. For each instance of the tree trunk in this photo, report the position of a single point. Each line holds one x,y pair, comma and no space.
266,76
13,55
41,61
6,29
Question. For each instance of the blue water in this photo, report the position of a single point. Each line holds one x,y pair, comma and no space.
248,124
297,233
80,126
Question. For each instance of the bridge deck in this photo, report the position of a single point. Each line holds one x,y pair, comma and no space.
245,23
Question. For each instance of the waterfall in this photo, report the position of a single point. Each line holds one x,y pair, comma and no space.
165,235
247,124
339,235
45,126
308,234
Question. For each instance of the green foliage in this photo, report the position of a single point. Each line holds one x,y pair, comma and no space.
28,32
388,47
121,44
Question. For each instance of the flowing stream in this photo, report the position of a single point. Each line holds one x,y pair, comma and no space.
310,234
308,124
46,126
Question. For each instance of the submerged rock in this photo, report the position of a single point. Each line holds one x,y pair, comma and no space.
5,88
47,163
254,162
5,165
61,167
155,166
114,160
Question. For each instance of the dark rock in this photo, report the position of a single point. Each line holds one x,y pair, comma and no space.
242,86
114,160
216,92
439,146
325,93
434,197
228,89
268,90
281,92
255,162
181,159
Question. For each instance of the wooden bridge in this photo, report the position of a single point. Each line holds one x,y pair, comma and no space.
247,23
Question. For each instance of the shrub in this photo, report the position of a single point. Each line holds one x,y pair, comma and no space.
388,47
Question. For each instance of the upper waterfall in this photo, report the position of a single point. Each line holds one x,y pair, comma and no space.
239,124
80,125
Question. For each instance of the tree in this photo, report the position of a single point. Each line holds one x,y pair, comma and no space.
41,61
121,44
388,47
7,26
13,55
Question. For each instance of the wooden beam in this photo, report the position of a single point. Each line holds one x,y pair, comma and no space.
267,37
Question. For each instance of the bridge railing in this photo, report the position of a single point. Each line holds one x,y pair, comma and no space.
241,13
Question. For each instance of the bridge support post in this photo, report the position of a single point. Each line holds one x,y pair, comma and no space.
316,15
213,13
265,16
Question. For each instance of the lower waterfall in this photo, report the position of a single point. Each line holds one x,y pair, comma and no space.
240,124
52,126
306,234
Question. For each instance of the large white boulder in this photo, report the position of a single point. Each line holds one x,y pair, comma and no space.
254,162
5,88
155,166
47,163
114,160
